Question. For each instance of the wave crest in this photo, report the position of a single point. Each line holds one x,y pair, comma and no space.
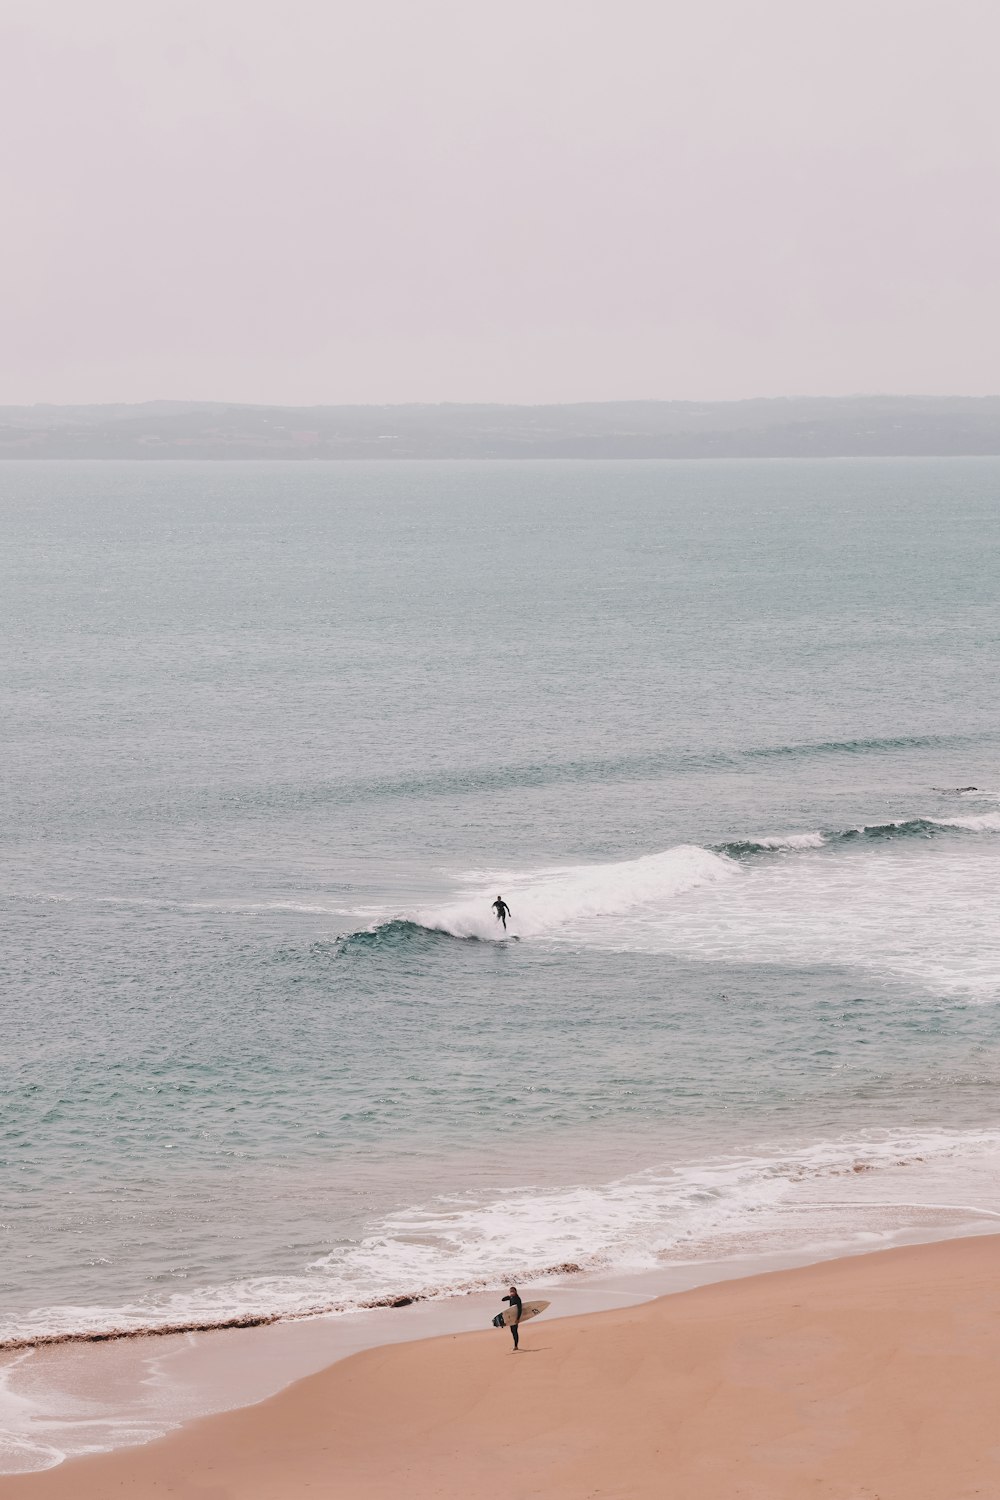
896,828
554,902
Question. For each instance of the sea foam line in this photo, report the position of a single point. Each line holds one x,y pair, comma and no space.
462,1242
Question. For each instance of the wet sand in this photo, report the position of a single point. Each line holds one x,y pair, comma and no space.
870,1378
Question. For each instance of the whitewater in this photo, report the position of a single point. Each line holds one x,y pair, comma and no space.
880,896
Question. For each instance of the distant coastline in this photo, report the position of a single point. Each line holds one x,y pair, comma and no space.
815,427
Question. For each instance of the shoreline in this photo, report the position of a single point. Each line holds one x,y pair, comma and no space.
873,1369
166,1383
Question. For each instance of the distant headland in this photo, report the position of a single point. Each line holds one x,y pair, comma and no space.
794,427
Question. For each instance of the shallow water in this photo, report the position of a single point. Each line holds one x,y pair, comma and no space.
276,735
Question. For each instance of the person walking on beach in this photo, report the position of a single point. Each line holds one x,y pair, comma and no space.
515,1307
503,912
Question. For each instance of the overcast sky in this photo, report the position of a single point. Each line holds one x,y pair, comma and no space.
521,200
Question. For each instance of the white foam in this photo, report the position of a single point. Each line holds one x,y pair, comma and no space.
674,1212
22,1451
546,902
983,823
923,910
790,841
772,1198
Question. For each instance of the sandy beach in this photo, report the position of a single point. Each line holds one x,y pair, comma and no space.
869,1378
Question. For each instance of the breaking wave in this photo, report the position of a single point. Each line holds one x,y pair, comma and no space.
546,902
714,1208
900,828
552,902
769,843
400,932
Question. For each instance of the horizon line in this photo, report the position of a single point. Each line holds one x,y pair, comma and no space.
516,405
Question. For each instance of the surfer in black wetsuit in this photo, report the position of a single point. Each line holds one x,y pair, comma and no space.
502,910
515,1307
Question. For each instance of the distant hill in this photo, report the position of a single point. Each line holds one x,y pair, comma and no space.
852,426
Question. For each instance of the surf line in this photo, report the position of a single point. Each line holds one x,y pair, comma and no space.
262,1320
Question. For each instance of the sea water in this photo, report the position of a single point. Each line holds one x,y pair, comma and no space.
726,738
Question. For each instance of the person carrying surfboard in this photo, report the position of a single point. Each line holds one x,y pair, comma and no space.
515,1307
503,912
518,1312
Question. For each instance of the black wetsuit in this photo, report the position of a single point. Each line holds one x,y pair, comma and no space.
502,910
515,1303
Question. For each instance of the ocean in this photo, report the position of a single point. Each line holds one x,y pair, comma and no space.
724,735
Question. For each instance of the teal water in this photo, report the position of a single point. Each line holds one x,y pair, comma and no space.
726,736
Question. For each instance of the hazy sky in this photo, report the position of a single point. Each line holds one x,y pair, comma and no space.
533,200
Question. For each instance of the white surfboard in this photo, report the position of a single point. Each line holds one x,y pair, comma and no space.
528,1310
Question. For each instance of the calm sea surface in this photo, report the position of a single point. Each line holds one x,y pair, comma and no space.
726,737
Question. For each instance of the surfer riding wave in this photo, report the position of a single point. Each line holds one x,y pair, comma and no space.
502,910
